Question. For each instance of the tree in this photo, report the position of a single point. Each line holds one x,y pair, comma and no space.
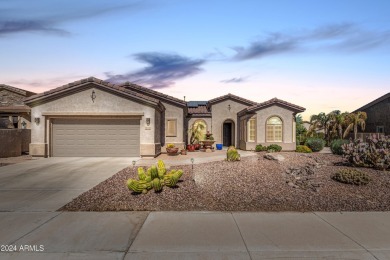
353,120
300,128
337,122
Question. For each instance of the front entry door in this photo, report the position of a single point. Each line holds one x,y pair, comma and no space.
227,134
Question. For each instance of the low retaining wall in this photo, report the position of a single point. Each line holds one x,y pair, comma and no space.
13,142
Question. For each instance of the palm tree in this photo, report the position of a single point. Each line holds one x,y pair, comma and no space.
353,120
337,122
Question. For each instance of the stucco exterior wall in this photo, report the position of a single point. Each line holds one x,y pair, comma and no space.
173,112
220,113
81,102
287,116
191,121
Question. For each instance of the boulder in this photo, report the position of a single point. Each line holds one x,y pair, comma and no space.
273,156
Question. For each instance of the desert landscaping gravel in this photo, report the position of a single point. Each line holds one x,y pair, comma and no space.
252,184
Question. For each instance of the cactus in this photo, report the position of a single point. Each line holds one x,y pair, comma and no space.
232,154
375,152
155,178
141,173
154,172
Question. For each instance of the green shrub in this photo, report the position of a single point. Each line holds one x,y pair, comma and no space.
315,144
336,146
274,148
375,152
260,148
351,176
232,154
303,149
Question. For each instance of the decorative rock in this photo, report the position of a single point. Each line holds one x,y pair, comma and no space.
276,157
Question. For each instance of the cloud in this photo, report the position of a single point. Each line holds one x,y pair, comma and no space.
273,44
7,27
48,16
234,80
344,37
161,71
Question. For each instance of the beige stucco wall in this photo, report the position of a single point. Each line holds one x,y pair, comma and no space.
262,116
174,112
220,113
191,121
81,102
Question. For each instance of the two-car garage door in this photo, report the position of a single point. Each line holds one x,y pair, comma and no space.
96,137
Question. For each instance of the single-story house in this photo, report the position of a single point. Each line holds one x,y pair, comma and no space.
13,112
378,115
92,117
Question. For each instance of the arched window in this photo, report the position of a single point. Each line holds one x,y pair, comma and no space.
274,129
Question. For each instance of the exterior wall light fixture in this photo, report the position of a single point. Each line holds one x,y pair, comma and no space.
37,120
148,121
229,107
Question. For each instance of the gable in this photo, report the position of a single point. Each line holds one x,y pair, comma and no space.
90,84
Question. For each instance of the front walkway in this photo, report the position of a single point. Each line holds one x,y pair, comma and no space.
198,156
195,235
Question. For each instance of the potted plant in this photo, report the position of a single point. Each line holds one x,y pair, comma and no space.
209,140
195,136
171,149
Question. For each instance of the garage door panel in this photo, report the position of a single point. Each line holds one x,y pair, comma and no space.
96,137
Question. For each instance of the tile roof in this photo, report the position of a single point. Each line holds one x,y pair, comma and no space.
17,90
274,101
15,109
231,96
198,110
380,99
153,93
85,81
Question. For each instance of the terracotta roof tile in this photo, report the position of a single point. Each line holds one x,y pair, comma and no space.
198,110
17,90
271,102
89,80
153,93
231,96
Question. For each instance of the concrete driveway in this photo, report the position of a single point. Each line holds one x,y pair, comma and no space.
48,184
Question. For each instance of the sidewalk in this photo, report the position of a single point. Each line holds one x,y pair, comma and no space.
197,235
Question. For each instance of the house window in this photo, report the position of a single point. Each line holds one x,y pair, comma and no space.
380,129
252,130
274,129
171,128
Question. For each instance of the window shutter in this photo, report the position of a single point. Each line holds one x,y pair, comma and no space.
171,127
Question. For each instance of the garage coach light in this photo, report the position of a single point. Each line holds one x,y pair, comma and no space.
37,120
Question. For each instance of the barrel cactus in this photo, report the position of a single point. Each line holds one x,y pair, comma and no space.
155,178
232,154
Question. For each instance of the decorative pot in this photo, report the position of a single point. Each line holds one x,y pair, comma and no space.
190,147
219,146
172,151
183,152
197,146
208,143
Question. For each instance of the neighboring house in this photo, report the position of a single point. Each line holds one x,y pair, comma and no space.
378,115
13,112
91,117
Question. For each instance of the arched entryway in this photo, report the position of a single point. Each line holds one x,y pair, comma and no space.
228,132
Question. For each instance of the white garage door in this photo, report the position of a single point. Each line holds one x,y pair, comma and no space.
96,137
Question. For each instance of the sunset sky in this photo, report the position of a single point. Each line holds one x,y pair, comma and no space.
322,55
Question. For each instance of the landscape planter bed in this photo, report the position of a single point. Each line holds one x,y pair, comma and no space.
252,184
